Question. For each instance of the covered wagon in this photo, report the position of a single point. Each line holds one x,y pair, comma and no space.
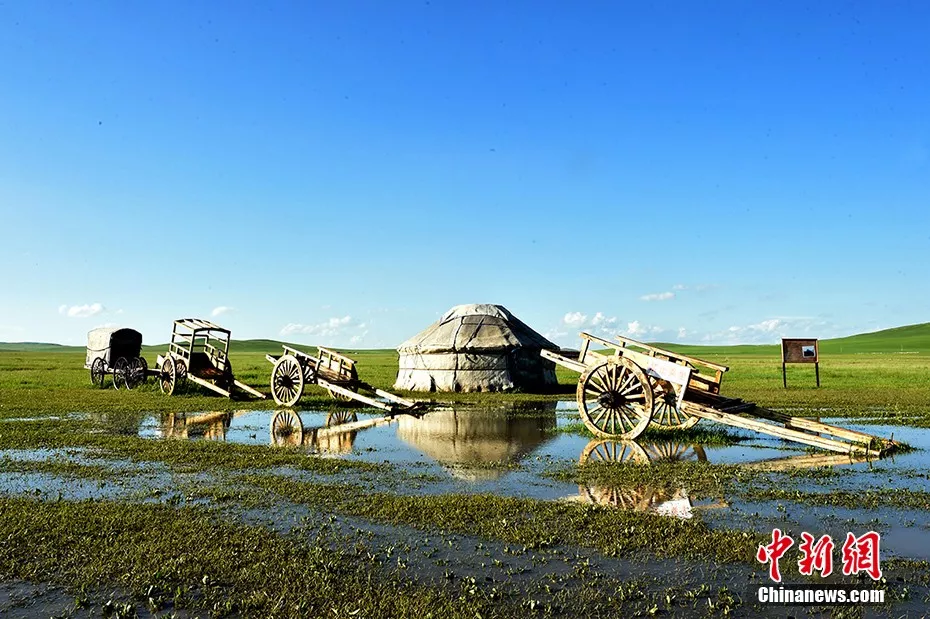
118,352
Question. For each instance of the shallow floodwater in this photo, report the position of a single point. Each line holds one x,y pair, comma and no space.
512,450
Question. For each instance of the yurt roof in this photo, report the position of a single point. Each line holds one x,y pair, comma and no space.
475,328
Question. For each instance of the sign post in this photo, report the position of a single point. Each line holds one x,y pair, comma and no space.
798,350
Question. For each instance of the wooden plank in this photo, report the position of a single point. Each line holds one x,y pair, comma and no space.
808,461
244,387
565,362
814,426
583,351
353,426
272,358
678,375
675,355
395,398
208,385
829,444
358,397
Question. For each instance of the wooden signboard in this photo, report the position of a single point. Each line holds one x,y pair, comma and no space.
799,350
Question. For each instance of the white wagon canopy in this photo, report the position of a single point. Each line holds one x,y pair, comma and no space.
476,348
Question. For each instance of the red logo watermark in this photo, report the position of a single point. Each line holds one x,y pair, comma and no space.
859,554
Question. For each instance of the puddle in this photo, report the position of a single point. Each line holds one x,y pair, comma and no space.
511,450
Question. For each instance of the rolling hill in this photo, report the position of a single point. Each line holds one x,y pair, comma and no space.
909,339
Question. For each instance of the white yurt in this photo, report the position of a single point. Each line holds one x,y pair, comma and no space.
476,348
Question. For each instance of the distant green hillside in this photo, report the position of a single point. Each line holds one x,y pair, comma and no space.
912,339
36,347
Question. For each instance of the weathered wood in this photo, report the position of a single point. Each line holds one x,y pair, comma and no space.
244,387
807,461
566,362
395,398
678,375
675,355
208,385
352,395
813,426
778,431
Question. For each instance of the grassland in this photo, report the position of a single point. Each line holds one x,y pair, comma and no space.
202,552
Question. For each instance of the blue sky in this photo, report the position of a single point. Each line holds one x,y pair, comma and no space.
343,172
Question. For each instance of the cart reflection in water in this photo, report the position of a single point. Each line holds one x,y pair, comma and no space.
336,436
211,426
672,499
470,443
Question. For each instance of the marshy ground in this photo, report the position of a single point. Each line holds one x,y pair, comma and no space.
134,503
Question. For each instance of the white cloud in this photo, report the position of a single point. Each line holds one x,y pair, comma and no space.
338,330
679,287
222,309
118,312
682,333
771,330
635,329
658,296
574,319
80,311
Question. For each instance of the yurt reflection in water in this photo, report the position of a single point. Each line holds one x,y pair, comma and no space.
473,443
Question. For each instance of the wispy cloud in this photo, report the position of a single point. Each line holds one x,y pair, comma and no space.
222,309
771,330
81,311
658,296
336,328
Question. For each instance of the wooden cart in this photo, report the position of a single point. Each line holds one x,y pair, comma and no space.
336,373
117,352
620,394
199,352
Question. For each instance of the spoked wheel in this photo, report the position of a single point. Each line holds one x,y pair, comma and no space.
674,451
287,381
337,418
665,414
287,429
609,450
342,397
180,368
615,399
138,371
637,499
167,377
97,372
121,373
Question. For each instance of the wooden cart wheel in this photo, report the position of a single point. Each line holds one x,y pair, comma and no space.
138,370
180,370
121,373
674,451
97,372
665,413
600,450
167,377
287,429
309,373
337,418
341,397
615,399
287,381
